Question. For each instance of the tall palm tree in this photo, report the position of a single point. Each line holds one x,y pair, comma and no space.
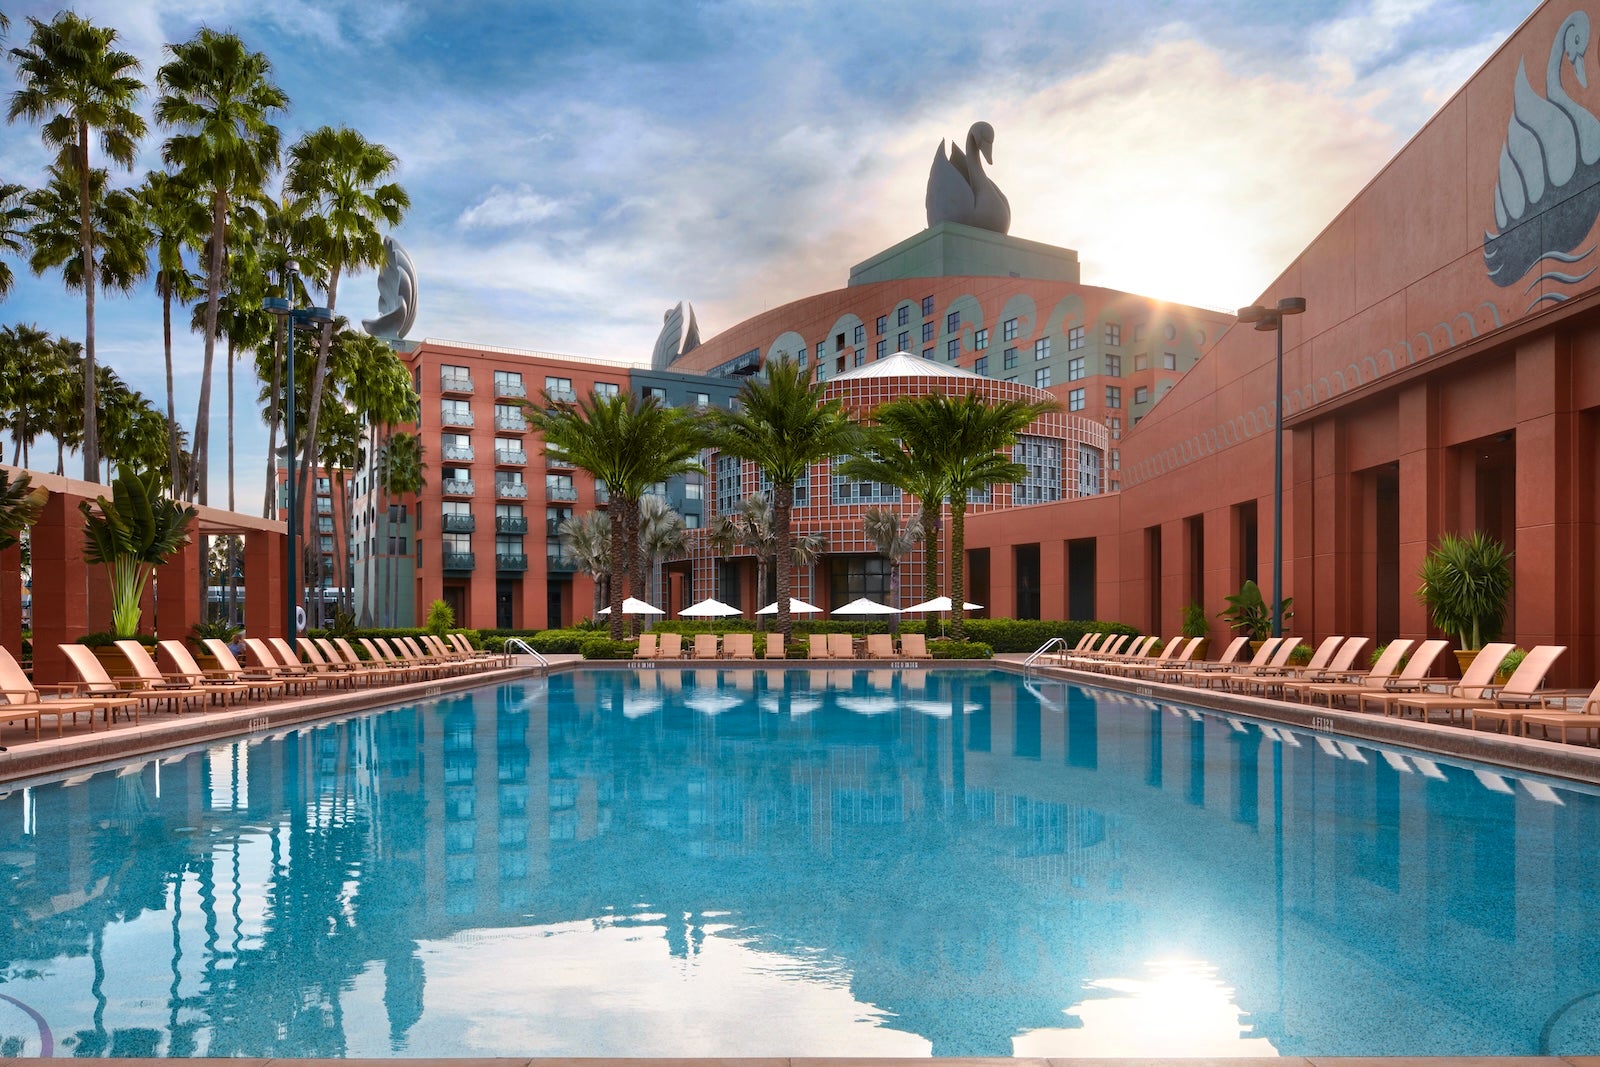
586,539
176,216
218,97
894,540
661,533
974,436
915,467
383,396
630,444
79,87
25,385
752,527
339,190
279,242
14,217
402,473
20,505
62,392
783,426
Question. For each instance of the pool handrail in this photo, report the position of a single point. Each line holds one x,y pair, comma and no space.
1042,650
527,649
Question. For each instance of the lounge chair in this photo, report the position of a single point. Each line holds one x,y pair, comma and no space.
1139,661
1586,718
647,646
1473,684
1242,680
93,681
1205,675
1505,705
1340,668
346,656
292,672
1384,668
739,646
1184,649
184,690
480,655
183,661
706,646
1137,652
411,649
1110,648
841,646
671,647
320,652
817,646
1274,676
880,646
382,653
775,649
914,646
25,701
1233,657
393,672
259,679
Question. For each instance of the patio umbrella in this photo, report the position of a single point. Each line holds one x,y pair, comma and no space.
711,607
796,607
863,606
633,606
942,604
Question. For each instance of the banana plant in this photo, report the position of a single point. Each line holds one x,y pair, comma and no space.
130,534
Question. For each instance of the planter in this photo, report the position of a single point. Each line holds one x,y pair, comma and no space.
1202,650
115,663
1464,658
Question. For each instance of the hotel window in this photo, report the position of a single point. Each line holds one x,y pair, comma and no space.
655,392
323,485
1041,377
805,356
1009,359
1141,395
1141,362
980,340
1114,427
860,337
952,348
1074,338
1116,459
883,325
1113,333
1041,348
1010,378
927,306
606,388
861,356
980,365
691,521
1075,368
952,322
1009,330
902,343
508,383
927,332
1075,400
822,351
927,353
902,316
881,349
1138,332
1169,361
1113,365
702,400
693,490
1113,396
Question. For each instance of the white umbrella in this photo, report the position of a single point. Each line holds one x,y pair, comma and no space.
863,606
709,608
796,607
633,606
713,702
941,603
868,705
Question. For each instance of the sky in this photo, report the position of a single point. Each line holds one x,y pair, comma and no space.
575,169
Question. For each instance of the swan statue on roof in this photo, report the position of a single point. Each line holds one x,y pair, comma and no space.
397,294
960,191
1548,166
680,333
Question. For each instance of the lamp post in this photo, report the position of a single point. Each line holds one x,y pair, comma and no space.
283,307
1272,319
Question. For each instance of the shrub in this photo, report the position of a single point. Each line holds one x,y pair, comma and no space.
440,618
1509,665
596,646
221,629
1301,655
106,639
959,650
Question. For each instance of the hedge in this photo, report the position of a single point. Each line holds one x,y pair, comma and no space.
959,650
599,646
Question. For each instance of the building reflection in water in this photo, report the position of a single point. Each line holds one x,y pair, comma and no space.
708,862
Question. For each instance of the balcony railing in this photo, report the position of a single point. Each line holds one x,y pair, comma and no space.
602,493
511,490
510,524
561,492
449,417
455,383
505,561
458,561
324,507
556,460
509,389
460,523
511,423
463,453
563,396
507,457
457,487
557,561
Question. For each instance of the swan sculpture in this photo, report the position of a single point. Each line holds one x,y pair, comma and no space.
1548,166
397,294
679,334
960,191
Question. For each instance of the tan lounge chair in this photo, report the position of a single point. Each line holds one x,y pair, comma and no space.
914,646
1240,681
338,652
880,646
739,646
1233,657
1273,677
185,666
671,647
775,649
1383,670
477,655
320,651
647,646
382,653
391,672
706,646
259,679
1410,683
1586,718
25,701
817,646
93,681
841,646
1183,654
1505,705
184,690
1137,652
292,672
1340,668
1205,675
1130,665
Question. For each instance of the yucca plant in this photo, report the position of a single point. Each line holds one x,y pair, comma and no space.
1466,586
130,534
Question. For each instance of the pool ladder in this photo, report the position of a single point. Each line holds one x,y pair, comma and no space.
527,649
1045,649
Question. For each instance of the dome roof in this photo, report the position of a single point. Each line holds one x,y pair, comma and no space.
905,365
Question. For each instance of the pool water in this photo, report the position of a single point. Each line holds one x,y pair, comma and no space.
736,863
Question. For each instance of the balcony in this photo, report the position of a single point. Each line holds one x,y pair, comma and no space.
505,561
562,396
602,494
560,492
449,417
458,561
460,453
324,507
506,457
457,487
510,524
557,561
511,490
556,460
511,423
460,523
509,389
455,383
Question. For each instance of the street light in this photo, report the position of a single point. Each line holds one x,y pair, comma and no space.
298,318
1272,319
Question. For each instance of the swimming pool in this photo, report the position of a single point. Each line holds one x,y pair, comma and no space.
738,863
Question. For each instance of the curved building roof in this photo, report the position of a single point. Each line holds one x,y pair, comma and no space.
905,365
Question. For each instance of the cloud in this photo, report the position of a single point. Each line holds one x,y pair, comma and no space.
502,207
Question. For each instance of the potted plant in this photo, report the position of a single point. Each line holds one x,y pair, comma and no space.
1249,613
130,534
1466,587
221,629
1195,624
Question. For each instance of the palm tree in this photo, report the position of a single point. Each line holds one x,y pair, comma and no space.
177,220
132,533
217,96
661,533
25,385
401,472
586,539
79,87
630,444
20,505
14,217
278,244
752,527
338,186
382,396
783,426
967,440
894,540
916,468
62,397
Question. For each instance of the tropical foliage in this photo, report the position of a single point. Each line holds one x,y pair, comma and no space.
753,528
1249,614
1466,586
20,505
130,534
894,541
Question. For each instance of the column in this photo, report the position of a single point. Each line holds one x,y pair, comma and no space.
11,601
1052,579
265,552
60,579
1548,601
179,593
1422,491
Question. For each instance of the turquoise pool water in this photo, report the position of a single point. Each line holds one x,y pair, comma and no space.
678,863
